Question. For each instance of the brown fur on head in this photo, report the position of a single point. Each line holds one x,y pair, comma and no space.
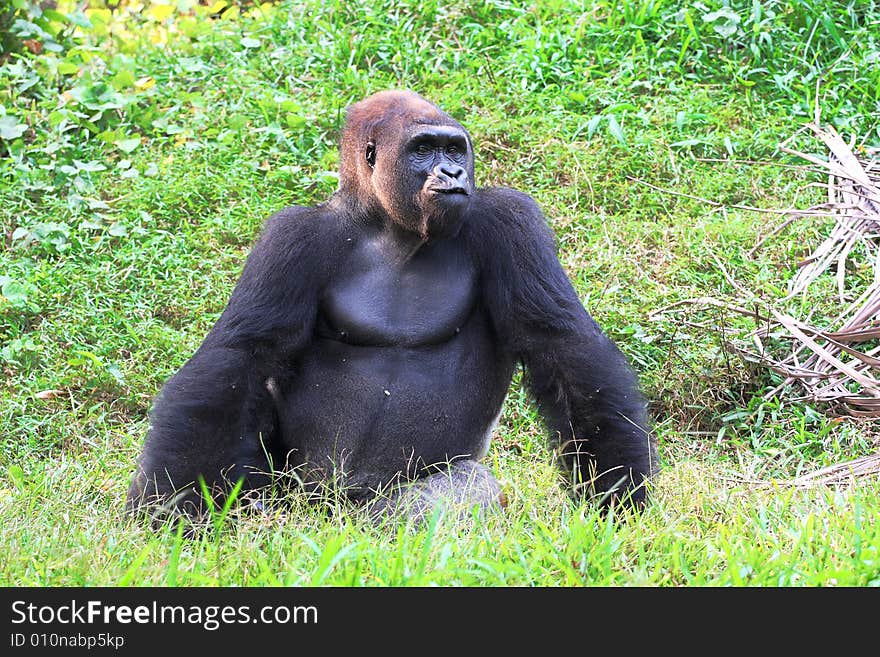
383,122
382,113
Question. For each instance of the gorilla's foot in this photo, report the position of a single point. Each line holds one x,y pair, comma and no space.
459,489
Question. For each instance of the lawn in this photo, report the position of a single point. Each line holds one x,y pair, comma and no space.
143,145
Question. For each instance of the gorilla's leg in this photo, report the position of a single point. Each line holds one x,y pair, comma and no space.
461,487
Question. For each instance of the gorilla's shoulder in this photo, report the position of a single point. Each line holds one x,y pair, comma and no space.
294,213
506,224
302,217
303,222
505,209
505,198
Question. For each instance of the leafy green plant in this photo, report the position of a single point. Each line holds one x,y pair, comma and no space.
142,146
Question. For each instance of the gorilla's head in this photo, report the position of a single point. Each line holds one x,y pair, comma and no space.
405,159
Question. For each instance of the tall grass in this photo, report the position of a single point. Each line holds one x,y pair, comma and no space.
141,150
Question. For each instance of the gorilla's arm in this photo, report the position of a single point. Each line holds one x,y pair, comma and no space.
587,392
215,417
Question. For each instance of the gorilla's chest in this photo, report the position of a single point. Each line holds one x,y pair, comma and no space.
385,297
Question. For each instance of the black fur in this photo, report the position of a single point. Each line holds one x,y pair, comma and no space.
370,340
587,393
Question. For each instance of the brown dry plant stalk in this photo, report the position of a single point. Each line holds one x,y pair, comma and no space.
836,365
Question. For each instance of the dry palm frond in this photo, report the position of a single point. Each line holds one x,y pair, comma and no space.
854,194
838,365
860,467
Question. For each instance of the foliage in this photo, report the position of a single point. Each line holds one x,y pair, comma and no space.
143,143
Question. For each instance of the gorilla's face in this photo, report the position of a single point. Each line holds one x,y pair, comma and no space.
423,178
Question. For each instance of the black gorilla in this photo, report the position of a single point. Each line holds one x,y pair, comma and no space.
371,341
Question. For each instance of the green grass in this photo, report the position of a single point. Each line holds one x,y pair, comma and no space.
141,153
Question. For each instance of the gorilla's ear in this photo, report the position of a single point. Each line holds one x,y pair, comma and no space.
371,153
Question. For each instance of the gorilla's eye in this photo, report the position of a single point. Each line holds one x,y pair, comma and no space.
452,149
423,149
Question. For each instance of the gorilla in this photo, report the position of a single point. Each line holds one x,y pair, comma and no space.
371,339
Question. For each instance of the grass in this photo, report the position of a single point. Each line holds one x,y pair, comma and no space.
140,153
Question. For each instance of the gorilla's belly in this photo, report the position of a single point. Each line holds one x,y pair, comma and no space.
369,414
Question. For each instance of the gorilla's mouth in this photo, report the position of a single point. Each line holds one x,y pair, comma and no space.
450,190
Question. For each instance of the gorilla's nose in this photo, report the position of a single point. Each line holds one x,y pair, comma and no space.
452,171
